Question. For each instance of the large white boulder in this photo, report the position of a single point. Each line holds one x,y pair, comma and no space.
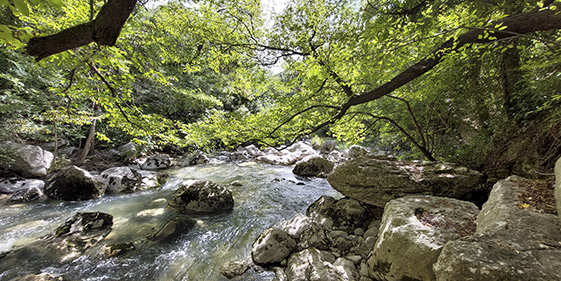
414,229
27,160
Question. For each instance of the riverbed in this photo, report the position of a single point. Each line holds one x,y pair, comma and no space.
268,194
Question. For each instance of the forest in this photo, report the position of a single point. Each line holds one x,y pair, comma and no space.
472,82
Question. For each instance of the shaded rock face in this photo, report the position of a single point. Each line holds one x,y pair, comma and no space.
27,160
376,182
345,214
272,246
233,269
511,243
79,233
173,229
313,166
116,250
156,162
414,229
311,265
73,184
25,195
327,146
357,151
202,197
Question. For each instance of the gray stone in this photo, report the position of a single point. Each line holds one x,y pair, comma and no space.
173,229
233,269
128,151
327,146
313,166
27,160
414,230
72,184
296,225
376,182
511,243
343,214
272,246
117,250
25,195
156,162
202,197
121,179
349,268
12,185
310,265
357,151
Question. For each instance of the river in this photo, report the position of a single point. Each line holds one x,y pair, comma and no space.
269,194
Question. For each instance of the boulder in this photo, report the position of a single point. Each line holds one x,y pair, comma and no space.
296,225
272,246
9,186
511,242
26,195
121,179
327,146
311,265
117,250
24,159
313,166
128,151
357,151
375,181
346,213
233,269
288,155
198,159
173,229
202,197
79,233
156,162
72,184
414,229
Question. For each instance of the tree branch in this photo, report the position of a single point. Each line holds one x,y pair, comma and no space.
103,30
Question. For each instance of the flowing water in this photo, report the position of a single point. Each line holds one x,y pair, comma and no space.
269,194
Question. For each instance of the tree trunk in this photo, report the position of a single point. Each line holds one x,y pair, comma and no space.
89,140
104,30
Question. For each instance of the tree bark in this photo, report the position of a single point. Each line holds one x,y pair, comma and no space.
103,30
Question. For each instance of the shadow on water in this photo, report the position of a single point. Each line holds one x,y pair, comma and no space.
268,195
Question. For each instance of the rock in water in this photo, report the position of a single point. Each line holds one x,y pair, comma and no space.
376,182
233,269
72,184
202,197
272,246
313,166
27,160
121,179
414,229
173,229
156,162
327,146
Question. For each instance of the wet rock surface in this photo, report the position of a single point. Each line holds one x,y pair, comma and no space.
202,197
73,184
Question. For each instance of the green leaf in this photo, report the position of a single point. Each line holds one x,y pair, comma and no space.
22,7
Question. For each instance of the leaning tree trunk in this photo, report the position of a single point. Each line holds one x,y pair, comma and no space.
89,140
